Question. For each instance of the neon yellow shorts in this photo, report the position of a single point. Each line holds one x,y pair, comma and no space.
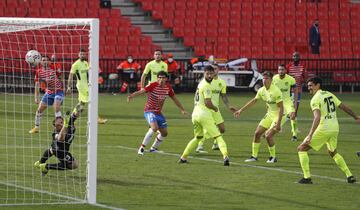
205,125
269,121
217,117
84,96
288,107
322,137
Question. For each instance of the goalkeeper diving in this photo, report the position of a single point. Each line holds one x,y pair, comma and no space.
62,137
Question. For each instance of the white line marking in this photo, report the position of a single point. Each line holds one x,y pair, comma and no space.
241,164
77,200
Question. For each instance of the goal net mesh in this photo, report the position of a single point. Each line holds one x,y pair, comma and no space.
20,181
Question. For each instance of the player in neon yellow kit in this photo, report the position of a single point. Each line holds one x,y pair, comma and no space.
286,83
203,120
273,119
80,68
218,86
324,129
154,67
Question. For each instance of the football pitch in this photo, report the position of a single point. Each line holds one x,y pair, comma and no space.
157,181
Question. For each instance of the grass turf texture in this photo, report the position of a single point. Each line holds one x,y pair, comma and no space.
156,181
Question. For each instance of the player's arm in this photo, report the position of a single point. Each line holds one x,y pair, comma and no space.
349,111
210,105
144,75
36,92
134,94
70,82
315,124
227,103
179,105
245,107
280,105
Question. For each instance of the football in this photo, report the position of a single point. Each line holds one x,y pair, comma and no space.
33,57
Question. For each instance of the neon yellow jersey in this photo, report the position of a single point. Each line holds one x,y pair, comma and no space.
81,70
284,85
155,67
271,97
204,91
218,86
327,103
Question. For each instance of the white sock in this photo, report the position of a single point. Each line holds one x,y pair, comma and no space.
158,141
58,114
147,137
37,119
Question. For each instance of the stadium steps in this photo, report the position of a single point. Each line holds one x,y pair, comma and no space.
160,36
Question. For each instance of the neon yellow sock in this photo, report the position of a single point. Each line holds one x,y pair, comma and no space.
294,127
222,146
272,151
201,142
339,160
304,162
190,147
255,149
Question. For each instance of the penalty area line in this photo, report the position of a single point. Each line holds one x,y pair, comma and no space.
242,164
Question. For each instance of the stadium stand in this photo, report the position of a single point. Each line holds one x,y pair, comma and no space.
262,28
118,37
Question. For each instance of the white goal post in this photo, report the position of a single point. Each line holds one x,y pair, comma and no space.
18,108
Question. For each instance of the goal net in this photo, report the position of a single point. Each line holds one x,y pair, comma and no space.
21,183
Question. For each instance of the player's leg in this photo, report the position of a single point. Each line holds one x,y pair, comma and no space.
162,124
152,121
46,155
264,124
59,97
198,135
221,127
294,124
269,136
39,112
339,160
212,129
318,140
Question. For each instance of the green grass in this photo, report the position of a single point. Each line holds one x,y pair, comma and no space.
156,181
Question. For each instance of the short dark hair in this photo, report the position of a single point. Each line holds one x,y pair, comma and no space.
282,65
209,68
158,50
82,50
268,73
58,117
315,80
162,73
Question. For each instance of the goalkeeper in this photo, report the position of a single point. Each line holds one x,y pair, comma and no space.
63,135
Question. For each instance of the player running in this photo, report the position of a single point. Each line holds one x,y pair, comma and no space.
202,118
63,135
157,92
49,79
287,85
324,129
218,87
273,119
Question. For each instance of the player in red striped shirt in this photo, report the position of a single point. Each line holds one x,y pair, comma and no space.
157,93
54,93
298,71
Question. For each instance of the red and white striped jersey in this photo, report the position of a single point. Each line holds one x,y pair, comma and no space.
157,96
50,79
298,72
